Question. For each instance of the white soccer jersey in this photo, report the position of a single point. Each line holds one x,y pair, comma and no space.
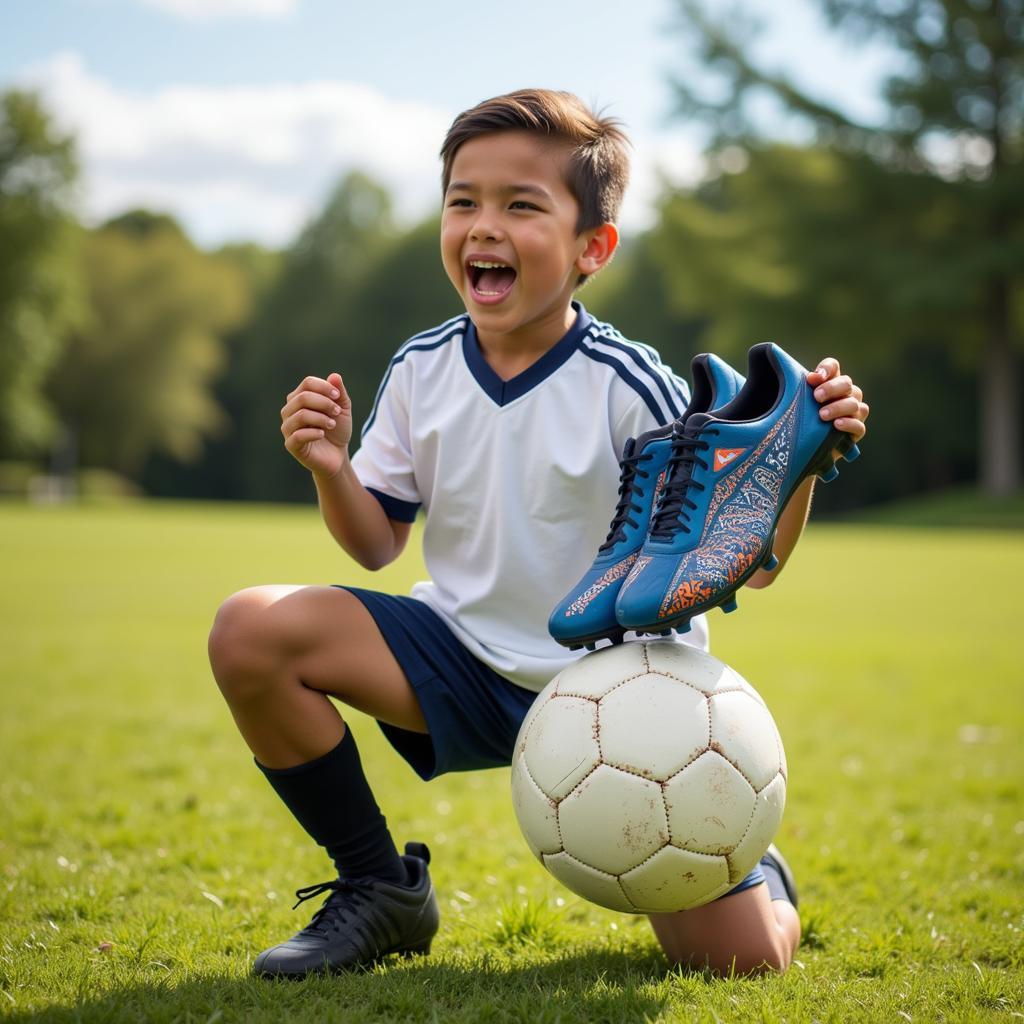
518,478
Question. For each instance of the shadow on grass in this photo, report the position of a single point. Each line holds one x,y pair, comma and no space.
588,986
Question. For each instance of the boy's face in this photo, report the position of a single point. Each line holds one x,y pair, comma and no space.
508,203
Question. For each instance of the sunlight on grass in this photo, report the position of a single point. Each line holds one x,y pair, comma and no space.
145,861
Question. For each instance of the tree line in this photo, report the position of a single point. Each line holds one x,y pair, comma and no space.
898,248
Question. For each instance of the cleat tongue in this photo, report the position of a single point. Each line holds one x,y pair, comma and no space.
692,424
498,279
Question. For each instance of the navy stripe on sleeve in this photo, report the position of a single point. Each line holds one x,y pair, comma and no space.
402,511
657,374
680,385
420,343
605,331
634,382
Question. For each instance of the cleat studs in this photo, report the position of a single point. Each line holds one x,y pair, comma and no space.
665,632
684,628
771,562
729,606
591,647
828,475
853,453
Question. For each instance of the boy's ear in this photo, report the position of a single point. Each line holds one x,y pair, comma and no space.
601,244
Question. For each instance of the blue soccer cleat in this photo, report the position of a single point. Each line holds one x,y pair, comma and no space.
587,613
730,475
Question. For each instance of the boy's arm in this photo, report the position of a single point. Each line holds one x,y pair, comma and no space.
316,422
787,532
357,520
842,402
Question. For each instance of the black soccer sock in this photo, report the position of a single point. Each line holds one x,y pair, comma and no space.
332,801
777,888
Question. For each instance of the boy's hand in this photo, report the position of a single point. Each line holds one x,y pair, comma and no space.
841,400
316,422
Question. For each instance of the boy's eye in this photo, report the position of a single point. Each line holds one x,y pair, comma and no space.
522,204
461,202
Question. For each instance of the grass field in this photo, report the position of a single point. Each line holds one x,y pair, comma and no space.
144,861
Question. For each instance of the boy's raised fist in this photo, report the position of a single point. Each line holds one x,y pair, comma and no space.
316,421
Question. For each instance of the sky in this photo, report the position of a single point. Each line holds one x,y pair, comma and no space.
238,116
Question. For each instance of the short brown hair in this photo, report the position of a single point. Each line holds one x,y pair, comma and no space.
598,162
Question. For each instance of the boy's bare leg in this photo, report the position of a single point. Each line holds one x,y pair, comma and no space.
277,651
745,932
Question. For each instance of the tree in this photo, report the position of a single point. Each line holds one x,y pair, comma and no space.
350,290
307,323
137,375
38,286
781,250
951,159
216,474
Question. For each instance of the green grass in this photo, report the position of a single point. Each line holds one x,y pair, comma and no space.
144,861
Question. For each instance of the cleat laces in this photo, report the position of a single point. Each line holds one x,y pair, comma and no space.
630,470
345,896
675,504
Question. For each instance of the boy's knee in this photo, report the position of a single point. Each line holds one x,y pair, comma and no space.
769,960
774,956
238,641
752,958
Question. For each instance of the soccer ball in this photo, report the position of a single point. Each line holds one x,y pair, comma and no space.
649,777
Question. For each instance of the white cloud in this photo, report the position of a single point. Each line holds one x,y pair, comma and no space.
208,10
240,162
257,162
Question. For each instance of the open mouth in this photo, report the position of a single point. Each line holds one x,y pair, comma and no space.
490,280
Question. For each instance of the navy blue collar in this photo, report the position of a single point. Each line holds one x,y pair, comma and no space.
502,392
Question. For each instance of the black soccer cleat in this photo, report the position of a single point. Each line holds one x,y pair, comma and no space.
360,922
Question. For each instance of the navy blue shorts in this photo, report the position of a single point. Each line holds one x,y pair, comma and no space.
472,713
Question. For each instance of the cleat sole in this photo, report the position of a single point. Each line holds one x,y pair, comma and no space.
577,643
423,949
729,605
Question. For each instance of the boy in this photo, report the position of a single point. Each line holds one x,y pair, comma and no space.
506,424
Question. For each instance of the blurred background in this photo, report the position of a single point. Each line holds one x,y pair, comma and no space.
201,201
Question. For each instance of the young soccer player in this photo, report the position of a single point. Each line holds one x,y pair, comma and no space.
505,425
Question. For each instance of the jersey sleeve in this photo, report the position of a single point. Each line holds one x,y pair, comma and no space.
633,413
384,461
